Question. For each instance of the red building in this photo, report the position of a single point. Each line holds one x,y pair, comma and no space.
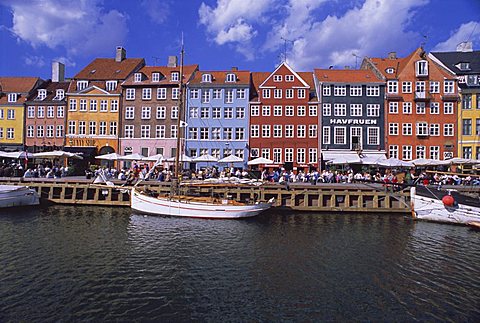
284,118
421,103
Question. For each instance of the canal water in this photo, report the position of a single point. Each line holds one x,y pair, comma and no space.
66,263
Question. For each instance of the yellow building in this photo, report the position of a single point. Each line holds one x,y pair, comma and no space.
13,94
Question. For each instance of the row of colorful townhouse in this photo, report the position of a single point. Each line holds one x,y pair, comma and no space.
403,107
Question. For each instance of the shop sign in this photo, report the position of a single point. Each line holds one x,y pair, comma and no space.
353,121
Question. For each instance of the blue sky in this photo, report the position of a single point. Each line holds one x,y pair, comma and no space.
220,34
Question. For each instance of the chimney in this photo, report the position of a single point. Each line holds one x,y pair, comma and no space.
120,54
234,68
466,46
58,72
392,55
172,61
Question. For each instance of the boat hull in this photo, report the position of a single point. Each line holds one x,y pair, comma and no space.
430,209
194,209
13,196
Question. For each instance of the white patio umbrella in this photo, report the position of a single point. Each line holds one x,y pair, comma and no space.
183,158
463,161
111,156
260,161
16,154
57,154
347,159
154,158
374,160
231,159
205,158
395,162
135,156
429,162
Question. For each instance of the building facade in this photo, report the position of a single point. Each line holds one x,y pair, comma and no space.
421,106
151,109
465,64
217,115
94,105
14,92
352,113
284,118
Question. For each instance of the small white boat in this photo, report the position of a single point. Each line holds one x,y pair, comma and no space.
12,195
195,207
444,206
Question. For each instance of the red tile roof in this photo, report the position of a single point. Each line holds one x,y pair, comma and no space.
165,72
17,84
257,79
51,88
109,69
346,76
219,77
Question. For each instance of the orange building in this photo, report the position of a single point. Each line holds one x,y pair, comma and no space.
421,104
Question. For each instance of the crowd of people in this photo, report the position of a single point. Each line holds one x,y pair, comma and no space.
15,169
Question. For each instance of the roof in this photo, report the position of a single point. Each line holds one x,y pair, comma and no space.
51,88
220,77
109,69
257,78
165,72
451,60
346,76
17,84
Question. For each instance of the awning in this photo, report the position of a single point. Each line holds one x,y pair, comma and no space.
331,155
89,151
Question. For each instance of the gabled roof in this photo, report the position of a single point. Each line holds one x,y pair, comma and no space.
17,84
346,76
165,72
257,78
451,60
51,88
284,64
93,87
109,69
220,77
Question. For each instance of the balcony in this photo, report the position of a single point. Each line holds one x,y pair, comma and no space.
422,96
451,97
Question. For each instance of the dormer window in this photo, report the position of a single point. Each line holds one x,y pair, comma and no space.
155,77
138,77
42,94
59,95
464,66
12,97
421,68
174,77
231,77
111,85
81,85
207,78
289,78
390,70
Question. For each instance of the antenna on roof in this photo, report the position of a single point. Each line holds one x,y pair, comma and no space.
285,48
425,38
356,59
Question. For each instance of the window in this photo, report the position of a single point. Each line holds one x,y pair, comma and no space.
339,90
228,113
301,93
393,129
373,136
194,93
239,134
102,130
420,107
373,90
206,96
477,126
467,152
216,133
448,87
240,113
393,107
326,136
254,110
301,133
373,110
467,127
146,112
312,155
301,155
420,89
434,108
130,113
162,112
406,129
103,106
407,107
266,153
40,131
327,109
289,131
129,131
289,93
30,131
239,153
10,133
207,78
92,128
93,105
301,111
277,131
175,93
407,152
448,129
113,105
339,109
466,101
422,129
266,93
434,87
277,155
155,77
229,96
174,113
448,107
289,111
162,93
173,131
11,113
216,113
83,105
111,85
266,110
113,128
355,110
42,94
289,78
228,133
288,155
355,90
421,68
434,129
231,77
73,105
30,112
60,111
406,87
254,131
160,131
241,94
312,131
72,127
277,78
217,94
146,94
434,152
326,90
59,132
137,77
81,85
216,153
312,110
40,113
193,132
277,93
393,151
420,151
340,135
174,76
130,94
266,131
392,86
204,112
50,112
82,128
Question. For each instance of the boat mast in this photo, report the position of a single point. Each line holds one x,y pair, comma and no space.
178,163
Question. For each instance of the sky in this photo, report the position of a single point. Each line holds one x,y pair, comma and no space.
219,34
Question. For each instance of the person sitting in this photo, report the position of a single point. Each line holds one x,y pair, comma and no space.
50,174
28,173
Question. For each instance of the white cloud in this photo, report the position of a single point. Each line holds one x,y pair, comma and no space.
32,60
469,31
65,60
240,32
79,27
157,10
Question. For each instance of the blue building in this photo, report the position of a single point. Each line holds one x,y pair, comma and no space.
217,116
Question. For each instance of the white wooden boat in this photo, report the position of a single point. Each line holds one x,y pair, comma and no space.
12,195
444,206
196,207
